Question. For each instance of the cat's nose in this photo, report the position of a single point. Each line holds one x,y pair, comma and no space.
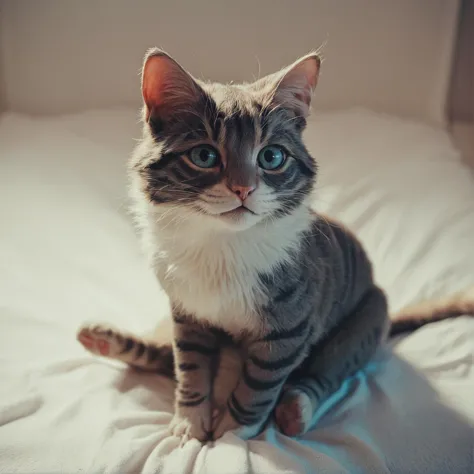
242,192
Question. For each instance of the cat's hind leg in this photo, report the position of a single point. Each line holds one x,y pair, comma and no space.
140,353
344,352
294,411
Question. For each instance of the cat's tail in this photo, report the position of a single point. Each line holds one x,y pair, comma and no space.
415,316
151,355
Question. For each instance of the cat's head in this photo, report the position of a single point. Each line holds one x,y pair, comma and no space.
232,154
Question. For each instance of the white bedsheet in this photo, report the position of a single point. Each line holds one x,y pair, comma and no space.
68,254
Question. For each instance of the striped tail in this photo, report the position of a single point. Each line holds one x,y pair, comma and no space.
415,316
151,355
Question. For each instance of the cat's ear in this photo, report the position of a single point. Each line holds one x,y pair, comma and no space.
293,86
167,88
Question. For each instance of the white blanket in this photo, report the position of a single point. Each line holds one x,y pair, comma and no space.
68,253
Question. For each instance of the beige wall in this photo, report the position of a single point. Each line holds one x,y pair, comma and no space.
461,97
2,92
463,137
2,83
460,106
67,55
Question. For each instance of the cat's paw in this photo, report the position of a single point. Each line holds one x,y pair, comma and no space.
101,340
294,412
192,423
224,423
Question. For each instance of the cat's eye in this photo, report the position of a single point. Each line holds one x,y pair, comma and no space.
204,156
271,158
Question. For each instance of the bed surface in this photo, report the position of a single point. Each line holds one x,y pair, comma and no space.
68,254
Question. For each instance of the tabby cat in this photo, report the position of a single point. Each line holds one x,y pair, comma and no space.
272,305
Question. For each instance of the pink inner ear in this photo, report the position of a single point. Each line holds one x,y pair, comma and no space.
311,71
303,76
154,80
304,97
296,87
166,87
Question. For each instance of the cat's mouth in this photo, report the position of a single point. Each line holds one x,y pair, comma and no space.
237,212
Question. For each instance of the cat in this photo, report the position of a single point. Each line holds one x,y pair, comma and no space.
273,306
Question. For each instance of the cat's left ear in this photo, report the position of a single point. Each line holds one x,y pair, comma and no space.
293,86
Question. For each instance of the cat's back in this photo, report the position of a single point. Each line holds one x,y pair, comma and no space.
343,256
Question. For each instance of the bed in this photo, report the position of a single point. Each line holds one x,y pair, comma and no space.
69,253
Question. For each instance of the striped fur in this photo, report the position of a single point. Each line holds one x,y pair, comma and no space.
273,306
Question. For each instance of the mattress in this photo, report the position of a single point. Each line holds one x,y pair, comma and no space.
69,254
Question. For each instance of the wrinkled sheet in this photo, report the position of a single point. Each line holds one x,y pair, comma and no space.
68,254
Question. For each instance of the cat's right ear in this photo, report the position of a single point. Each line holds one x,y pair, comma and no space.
167,89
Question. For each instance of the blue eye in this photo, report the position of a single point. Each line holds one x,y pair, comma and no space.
204,156
271,157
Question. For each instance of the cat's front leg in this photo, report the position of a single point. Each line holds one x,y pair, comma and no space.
195,348
268,364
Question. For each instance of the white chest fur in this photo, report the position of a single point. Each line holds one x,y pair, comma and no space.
214,273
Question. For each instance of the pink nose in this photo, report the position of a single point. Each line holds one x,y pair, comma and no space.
242,191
